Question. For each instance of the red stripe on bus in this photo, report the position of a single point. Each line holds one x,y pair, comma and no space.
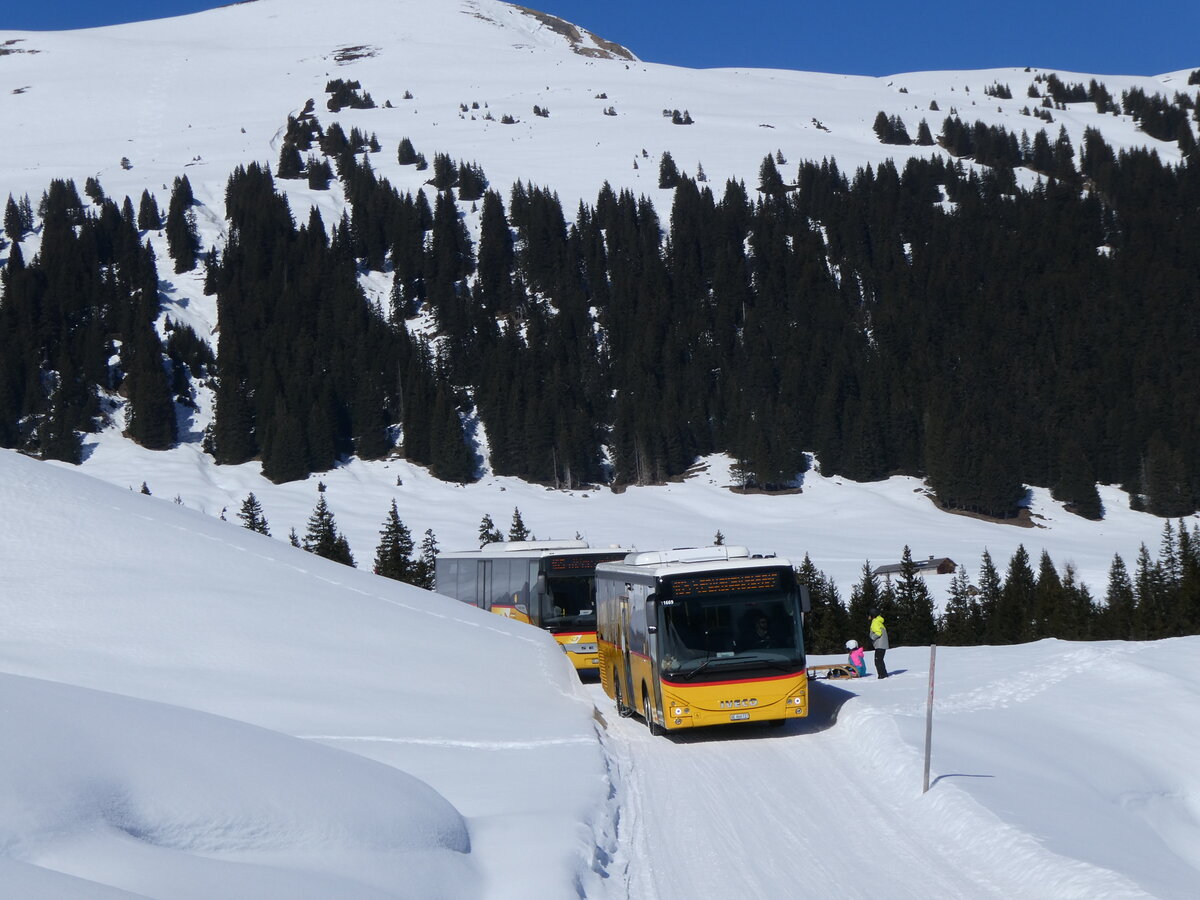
690,684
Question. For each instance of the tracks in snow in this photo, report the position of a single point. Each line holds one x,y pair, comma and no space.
817,808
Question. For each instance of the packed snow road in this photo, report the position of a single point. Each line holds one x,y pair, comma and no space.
830,806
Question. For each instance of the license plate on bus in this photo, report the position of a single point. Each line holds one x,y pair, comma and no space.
738,716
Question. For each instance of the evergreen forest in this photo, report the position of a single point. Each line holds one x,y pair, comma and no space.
1026,601
1006,311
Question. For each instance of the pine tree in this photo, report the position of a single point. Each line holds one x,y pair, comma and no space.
319,173
393,556
1050,616
149,218
426,566
406,155
150,410
770,182
914,605
183,241
825,625
445,172
14,225
1187,609
668,173
290,164
322,536
488,532
1149,612
883,127
864,597
991,587
959,624
252,516
496,256
1116,618
91,187
1078,610
1015,607
517,530
1170,561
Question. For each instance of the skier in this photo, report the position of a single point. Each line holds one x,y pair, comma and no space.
879,640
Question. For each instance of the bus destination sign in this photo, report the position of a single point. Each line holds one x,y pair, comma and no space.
577,564
727,583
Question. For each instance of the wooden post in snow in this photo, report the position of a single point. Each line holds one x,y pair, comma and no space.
929,715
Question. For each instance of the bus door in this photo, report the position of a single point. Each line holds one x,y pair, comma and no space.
483,585
623,649
651,610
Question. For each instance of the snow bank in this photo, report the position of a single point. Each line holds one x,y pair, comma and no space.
145,796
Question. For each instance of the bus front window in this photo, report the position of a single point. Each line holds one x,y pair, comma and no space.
725,631
569,604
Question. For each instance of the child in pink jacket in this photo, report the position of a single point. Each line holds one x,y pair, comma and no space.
856,658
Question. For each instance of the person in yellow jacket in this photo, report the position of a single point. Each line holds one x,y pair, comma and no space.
879,640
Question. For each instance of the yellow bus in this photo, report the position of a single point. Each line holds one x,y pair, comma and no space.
549,584
702,636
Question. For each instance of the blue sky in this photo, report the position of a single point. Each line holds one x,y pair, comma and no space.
868,37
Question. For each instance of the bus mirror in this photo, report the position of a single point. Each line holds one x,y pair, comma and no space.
539,586
651,629
805,600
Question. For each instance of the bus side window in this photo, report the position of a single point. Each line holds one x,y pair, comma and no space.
445,572
506,583
466,581
447,578
500,592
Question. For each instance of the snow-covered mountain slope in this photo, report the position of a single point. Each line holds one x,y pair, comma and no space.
200,95
203,93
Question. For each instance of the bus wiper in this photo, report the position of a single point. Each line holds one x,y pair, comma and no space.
692,673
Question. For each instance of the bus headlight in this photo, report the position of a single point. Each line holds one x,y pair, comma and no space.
795,701
580,648
682,711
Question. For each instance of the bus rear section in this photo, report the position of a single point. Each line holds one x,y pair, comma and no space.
704,636
548,584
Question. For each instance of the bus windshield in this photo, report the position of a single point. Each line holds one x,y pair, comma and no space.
744,620
569,600
570,604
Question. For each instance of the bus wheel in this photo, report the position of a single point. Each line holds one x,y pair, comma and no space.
623,709
647,714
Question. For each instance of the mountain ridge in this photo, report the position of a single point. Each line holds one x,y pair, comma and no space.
194,59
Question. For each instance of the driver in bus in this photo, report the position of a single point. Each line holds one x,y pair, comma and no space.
760,636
